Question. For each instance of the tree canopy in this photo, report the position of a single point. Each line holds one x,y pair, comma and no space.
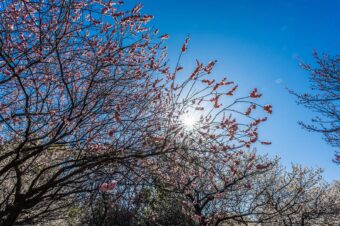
97,127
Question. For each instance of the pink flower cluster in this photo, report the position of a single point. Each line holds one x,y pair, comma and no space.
104,187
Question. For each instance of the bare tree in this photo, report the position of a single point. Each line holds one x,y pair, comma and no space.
324,98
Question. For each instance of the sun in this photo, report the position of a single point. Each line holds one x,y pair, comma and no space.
189,120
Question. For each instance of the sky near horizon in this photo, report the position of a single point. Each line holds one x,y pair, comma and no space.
259,44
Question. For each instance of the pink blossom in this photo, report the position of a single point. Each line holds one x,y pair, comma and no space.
112,185
104,187
255,94
166,36
262,166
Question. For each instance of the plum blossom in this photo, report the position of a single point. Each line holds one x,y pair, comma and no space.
104,187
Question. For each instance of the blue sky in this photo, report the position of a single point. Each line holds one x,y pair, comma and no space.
257,44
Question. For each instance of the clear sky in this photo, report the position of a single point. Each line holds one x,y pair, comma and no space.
257,44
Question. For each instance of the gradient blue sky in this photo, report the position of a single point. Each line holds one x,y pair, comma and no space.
257,44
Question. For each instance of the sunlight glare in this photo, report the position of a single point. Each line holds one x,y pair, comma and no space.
189,120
